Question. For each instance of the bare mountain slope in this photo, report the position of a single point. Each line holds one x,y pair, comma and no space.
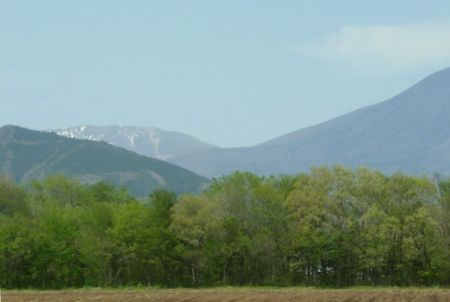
148,141
409,132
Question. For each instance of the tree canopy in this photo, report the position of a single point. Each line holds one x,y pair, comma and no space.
330,227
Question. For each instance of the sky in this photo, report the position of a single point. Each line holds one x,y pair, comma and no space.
229,72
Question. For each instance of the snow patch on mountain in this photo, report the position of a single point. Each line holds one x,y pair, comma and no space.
148,141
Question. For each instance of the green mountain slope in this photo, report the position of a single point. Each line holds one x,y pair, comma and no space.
27,154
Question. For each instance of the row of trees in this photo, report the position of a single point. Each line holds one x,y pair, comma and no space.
331,227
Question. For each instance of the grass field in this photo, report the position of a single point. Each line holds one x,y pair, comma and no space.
233,295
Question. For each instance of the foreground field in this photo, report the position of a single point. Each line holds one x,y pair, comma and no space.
233,295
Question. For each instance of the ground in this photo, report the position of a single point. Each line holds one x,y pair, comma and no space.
233,295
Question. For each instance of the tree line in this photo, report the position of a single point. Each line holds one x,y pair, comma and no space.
330,227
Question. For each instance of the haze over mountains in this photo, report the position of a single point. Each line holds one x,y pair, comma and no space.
148,141
409,132
26,155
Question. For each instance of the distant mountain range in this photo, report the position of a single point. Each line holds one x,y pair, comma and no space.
148,141
27,154
409,132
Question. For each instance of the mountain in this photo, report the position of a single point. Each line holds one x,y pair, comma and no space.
409,133
27,154
150,141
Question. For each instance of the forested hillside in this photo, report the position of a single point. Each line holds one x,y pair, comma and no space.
330,227
27,154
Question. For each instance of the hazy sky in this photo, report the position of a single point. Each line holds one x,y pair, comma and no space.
229,72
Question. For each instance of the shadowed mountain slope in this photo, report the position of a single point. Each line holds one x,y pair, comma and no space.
27,154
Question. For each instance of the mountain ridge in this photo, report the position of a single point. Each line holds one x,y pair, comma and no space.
27,154
407,133
148,141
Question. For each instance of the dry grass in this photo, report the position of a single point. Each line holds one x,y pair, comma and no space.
233,295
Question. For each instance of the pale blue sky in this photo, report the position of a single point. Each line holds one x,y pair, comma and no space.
229,72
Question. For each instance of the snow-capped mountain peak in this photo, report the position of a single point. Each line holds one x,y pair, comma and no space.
148,141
